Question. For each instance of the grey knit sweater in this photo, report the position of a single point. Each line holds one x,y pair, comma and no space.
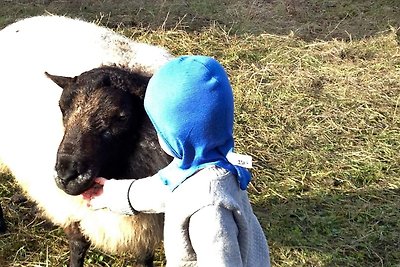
208,220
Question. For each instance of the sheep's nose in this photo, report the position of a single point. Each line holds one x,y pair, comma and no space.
66,169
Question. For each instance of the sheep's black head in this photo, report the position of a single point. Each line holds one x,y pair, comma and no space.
102,112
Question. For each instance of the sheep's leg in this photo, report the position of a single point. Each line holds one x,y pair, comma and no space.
78,245
3,227
149,261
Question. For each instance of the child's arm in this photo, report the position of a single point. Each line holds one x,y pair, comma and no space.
146,195
214,237
149,194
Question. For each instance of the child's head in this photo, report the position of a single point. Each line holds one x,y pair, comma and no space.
190,102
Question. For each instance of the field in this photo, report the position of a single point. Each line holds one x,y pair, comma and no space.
317,105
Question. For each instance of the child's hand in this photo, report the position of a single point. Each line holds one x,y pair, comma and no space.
95,190
94,195
109,194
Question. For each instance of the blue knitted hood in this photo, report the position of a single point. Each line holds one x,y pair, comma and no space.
190,103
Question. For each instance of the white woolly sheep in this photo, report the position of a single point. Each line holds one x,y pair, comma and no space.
32,126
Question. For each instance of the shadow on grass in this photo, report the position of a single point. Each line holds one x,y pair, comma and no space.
335,229
306,19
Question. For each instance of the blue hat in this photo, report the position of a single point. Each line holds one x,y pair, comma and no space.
190,103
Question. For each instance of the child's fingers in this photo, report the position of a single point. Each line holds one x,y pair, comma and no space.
100,180
86,195
92,192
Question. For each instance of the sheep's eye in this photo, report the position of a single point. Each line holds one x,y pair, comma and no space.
123,117
107,134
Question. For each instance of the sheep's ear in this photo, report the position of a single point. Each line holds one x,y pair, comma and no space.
61,81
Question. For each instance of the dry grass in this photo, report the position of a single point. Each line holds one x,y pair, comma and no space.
322,122
308,19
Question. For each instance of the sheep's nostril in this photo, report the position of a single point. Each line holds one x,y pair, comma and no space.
66,169
68,175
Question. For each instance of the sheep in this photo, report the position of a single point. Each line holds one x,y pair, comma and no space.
32,125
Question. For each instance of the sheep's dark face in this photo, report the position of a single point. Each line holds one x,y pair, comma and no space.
102,112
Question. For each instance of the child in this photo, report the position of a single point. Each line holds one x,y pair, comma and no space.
208,217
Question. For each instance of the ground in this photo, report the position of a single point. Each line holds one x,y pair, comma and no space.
308,19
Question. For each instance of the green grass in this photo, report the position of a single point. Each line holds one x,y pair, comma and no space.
319,115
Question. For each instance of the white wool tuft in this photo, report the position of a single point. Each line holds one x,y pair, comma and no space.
31,124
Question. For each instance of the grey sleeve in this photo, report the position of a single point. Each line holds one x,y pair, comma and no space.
214,237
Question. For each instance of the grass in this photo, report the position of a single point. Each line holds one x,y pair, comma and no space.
308,19
320,116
